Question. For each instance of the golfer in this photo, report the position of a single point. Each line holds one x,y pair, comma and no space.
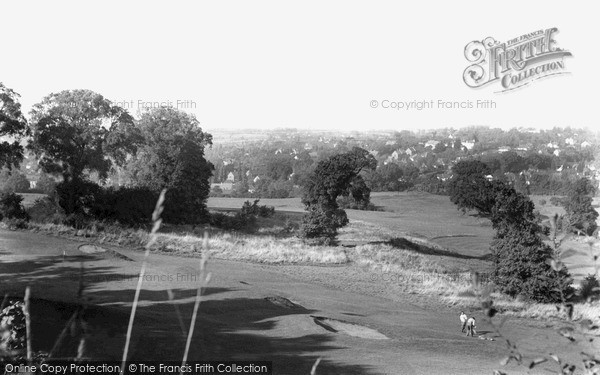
463,320
471,327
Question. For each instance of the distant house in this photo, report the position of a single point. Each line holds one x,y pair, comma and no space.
256,179
390,143
556,152
410,151
504,149
230,177
374,152
585,144
431,143
570,141
552,145
468,145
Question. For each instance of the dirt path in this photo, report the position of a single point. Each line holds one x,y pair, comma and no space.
338,313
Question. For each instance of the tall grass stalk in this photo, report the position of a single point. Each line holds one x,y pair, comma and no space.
26,312
156,220
204,279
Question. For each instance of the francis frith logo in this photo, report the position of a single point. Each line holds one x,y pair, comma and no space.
514,63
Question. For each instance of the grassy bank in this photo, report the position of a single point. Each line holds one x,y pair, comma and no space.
419,264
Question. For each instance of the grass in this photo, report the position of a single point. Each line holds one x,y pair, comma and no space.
420,237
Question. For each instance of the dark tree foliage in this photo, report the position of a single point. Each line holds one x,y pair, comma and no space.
77,132
470,189
12,125
14,182
172,156
521,267
580,212
279,167
11,207
520,257
512,211
333,177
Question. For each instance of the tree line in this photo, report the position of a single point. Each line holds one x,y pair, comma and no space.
80,137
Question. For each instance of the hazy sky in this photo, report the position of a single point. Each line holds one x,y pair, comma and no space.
304,64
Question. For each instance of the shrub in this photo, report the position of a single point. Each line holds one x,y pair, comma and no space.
557,201
11,207
589,288
12,328
322,224
77,196
255,210
127,205
351,204
245,219
46,210
542,202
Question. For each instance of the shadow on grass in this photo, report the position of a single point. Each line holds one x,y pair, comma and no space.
226,328
403,243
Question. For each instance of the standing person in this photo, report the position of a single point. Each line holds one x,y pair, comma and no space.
463,320
471,326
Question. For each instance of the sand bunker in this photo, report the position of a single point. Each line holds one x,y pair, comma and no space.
91,249
334,325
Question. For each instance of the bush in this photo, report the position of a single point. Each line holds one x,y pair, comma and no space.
322,224
351,204
235,222
589,288
76,197
542,202
557,201
11,207
245,219
46,210
126,205
255,210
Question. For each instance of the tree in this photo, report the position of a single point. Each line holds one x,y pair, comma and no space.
12,125
521,267
46,184
171,156
470,189
332,177
580,212
76,132
390,175
520,257
14,182
278,167
457,144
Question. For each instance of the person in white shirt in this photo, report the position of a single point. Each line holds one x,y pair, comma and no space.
463,320
471,326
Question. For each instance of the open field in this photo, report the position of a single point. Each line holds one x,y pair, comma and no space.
385,302
432,218
358,320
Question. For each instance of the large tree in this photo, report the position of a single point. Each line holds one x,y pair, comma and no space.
76,132
172,157
333,177
580,212
12,128
470,189
520,256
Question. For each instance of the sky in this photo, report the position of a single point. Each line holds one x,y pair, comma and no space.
303,64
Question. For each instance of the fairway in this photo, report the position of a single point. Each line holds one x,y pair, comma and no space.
415,214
